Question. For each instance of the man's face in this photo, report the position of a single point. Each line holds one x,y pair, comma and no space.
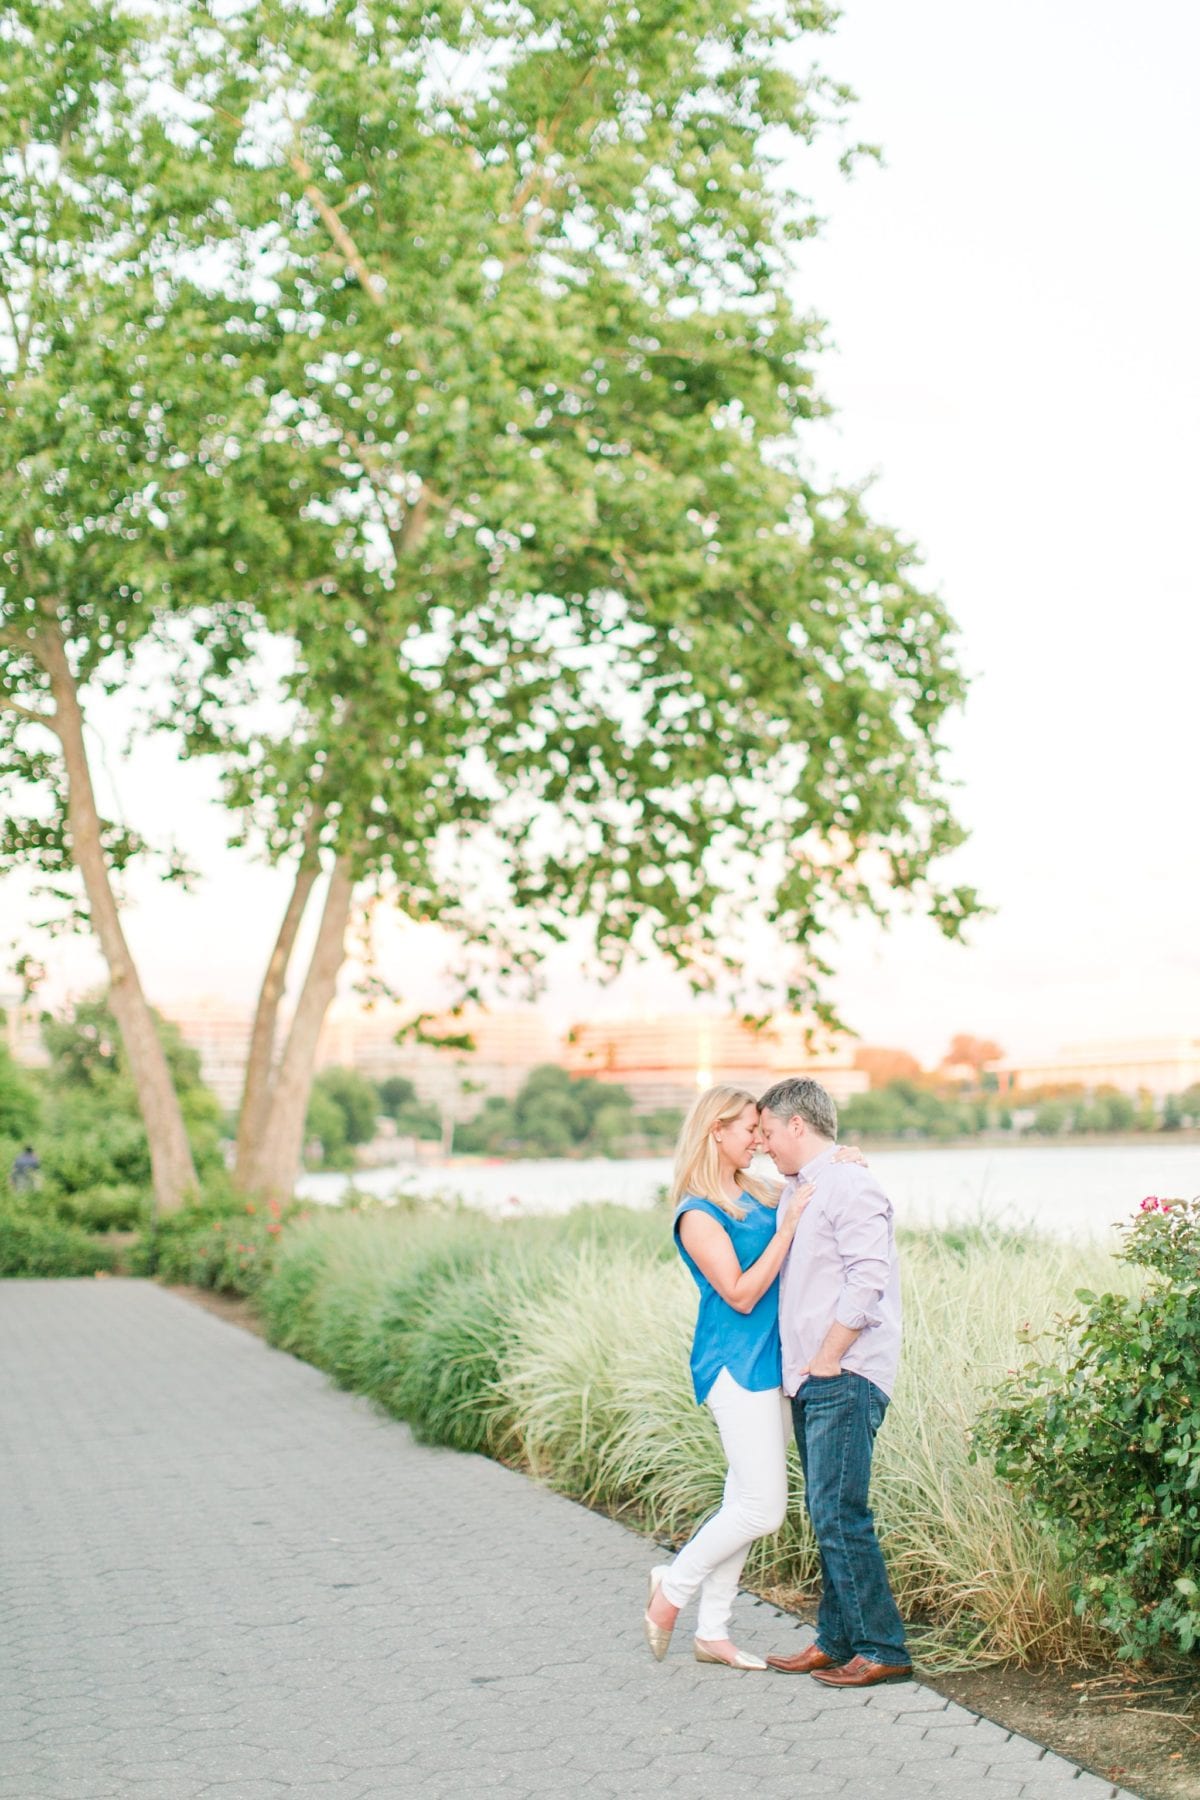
782,1139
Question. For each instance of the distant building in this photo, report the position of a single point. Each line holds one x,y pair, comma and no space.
219,1033
666,1061
21,1031
663,1062
507,1045
1159,1066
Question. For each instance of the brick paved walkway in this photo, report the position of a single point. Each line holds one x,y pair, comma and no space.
220,1577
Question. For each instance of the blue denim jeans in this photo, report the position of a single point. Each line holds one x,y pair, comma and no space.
835,1419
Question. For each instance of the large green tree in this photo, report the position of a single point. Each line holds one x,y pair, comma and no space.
535,276
453,354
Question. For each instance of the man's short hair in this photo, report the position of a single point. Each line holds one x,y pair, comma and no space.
799,1094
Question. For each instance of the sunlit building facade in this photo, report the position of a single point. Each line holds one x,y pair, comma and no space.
219,1033
21,1031
1158,1066
506,1046
666,1061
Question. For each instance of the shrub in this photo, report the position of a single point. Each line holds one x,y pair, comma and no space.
35,1245
1102,1439
20,1099
92,1134
223,1242
113,1207
92,1146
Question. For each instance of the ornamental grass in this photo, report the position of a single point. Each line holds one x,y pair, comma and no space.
560,1347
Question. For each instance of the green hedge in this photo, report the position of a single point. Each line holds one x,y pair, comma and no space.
113,1206
38,1245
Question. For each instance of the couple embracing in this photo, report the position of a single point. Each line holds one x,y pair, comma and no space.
799,1314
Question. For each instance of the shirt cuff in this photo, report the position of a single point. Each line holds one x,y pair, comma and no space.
852,1312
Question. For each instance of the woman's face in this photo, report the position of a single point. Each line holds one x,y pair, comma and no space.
737,1138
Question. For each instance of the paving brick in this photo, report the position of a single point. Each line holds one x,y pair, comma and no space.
1050,1771
226,1580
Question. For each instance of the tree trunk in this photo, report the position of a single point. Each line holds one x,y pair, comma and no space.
256,1088
173,1170
278,1162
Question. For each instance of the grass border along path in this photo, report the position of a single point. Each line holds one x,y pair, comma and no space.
559,1346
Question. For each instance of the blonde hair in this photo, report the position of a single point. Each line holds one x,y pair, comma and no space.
697,1164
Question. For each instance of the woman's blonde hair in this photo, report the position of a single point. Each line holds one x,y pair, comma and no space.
697,1164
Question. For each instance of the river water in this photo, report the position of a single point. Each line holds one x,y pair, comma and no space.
1070,1190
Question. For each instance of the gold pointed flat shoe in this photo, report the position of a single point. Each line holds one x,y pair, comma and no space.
741,1659
657,1636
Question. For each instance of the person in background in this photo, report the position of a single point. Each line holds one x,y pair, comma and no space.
23,1176
839,1322
733,1240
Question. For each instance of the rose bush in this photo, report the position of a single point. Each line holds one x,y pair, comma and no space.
223,1241
1101,1435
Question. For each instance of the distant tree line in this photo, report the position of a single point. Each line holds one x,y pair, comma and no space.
81,1114
1106,1109
345,1108
552,1114
905,1108
909,1108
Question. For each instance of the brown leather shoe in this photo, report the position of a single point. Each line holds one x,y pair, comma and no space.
804,1663
861,1672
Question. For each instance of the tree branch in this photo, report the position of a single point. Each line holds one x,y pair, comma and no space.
370,284
416,520
544,140
410,533
11,316
49,720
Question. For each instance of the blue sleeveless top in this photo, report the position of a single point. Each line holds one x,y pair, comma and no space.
747,1344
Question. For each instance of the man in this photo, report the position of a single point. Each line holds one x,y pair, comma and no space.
23,1175
839,1321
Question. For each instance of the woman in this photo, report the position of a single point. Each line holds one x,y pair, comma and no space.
729,1234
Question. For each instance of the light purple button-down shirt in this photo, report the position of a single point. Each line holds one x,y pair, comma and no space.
842,1266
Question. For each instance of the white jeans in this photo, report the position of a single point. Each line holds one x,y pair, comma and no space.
754,1432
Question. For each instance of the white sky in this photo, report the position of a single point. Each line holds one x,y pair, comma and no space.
1014,300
